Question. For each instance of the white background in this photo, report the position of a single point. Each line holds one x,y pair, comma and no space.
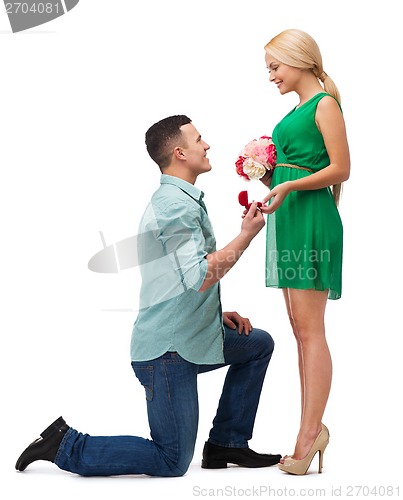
77,96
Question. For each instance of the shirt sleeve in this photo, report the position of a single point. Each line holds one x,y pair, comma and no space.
181,235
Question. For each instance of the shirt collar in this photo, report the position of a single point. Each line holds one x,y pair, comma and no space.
185,186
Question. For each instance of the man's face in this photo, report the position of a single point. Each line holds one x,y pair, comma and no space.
195,150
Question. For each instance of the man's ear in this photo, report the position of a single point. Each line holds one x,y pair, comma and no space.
179,154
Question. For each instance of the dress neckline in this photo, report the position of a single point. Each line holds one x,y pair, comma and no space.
306,102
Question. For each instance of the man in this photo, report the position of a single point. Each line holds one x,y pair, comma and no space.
180,332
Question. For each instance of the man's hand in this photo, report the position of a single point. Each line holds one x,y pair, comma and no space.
253,221
234,320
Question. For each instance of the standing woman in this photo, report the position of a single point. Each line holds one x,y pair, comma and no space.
304,229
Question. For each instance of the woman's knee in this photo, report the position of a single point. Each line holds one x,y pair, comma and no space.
305,331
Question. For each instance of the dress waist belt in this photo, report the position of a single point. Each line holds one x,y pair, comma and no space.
288,165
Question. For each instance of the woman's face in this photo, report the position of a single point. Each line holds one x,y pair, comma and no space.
285,77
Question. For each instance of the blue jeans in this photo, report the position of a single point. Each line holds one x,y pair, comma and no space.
170,385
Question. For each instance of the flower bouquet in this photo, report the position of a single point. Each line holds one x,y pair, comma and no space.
256,158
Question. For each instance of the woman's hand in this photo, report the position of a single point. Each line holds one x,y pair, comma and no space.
277,195
234,320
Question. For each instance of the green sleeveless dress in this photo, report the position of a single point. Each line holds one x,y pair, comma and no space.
305,234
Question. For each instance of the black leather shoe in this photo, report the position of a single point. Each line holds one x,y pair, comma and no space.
217,457
45,447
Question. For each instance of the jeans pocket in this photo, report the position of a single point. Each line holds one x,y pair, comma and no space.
145,375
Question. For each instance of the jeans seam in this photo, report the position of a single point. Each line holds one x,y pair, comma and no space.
62,445
170,410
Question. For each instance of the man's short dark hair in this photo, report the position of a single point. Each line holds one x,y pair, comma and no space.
163,137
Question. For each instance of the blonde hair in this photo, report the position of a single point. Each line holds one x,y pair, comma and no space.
296,48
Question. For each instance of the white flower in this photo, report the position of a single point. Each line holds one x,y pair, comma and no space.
253,169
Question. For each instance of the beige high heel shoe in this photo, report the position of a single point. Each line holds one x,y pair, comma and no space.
300,467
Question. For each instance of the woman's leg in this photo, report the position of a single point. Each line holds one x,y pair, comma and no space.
307,308
300,363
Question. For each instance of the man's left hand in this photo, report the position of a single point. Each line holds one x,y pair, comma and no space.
233,320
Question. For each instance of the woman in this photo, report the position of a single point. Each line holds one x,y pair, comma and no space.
304,229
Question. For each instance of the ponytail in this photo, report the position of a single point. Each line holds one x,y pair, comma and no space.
330,88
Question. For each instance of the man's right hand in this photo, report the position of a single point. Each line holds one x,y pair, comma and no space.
253,222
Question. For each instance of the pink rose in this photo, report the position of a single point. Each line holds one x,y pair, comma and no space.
271,154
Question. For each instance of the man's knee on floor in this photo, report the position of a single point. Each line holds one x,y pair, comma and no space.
179,467
177,460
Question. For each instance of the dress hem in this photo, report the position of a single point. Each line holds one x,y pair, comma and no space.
332,294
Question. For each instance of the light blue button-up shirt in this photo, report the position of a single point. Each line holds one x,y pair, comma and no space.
175,236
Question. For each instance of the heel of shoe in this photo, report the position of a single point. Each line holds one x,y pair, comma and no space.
321,453
214,464
55,427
